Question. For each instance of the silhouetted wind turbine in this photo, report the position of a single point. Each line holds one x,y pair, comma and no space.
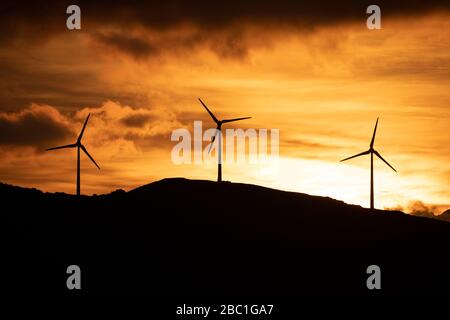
79,146
218,131
371,151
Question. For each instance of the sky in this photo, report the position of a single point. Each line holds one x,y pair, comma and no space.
310,69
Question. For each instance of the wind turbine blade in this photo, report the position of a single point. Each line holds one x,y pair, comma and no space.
210,113
374,132
379,156
212,140
235,119
63,147
87,153
84,127
356,155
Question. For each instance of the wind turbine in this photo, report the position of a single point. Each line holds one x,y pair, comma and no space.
79,146
371,151
218,132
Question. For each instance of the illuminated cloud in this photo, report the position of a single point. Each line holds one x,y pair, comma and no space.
420,209
113,121
43,126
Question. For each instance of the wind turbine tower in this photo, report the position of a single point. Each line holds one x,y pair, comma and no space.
219,133
79,146
371,151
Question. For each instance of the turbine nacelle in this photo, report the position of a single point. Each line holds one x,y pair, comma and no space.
220,122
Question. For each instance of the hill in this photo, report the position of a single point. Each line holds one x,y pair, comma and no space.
192,239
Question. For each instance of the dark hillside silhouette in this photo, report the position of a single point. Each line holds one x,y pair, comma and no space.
194,239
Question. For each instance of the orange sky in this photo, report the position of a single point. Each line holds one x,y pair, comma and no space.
323,88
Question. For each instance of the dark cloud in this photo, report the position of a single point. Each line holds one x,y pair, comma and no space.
34,127
136,120
30,21
230,43
137,47
36,21
24,81
163,15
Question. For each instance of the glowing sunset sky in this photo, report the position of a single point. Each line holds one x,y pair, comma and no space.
315,72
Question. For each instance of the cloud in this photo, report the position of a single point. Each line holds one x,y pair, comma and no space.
49,77
141,44
39,126
136,120
418,208
135,46
42,126
221,25
145,127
